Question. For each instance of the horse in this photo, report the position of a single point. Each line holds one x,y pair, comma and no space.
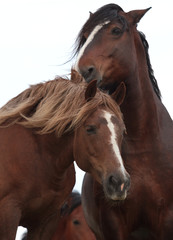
43,131
72,225
110,49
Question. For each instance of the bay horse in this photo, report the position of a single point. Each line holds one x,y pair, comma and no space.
111,49
43,131
72,224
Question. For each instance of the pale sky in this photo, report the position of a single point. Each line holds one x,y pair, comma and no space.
37,37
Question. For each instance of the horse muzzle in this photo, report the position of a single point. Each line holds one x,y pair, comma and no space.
116,186
90,73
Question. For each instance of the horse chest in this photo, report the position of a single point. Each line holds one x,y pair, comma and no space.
50,197
145,204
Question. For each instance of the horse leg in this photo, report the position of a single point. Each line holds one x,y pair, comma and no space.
9,219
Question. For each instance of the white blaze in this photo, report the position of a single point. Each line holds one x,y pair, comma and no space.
113,140
88,41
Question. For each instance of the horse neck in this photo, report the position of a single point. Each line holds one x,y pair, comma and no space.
142,109
57,150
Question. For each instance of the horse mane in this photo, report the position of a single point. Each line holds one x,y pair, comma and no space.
58,105
110,12
150,70
73,202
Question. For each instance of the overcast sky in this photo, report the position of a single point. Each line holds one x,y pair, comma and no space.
37,37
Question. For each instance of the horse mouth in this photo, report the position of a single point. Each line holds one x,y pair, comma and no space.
117,197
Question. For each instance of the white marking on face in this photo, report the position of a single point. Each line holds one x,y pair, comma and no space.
113,140
88,41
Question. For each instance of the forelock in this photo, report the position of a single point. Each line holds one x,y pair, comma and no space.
103,14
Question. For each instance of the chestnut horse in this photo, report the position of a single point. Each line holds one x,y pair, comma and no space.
72,225
111,49
42,132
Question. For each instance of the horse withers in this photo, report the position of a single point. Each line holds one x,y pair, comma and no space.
111,49
42,132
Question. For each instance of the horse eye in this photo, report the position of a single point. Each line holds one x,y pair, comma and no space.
116,31
90,129
76,222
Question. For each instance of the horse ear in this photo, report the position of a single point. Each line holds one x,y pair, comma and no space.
76,77
136,15
90,14
119,93
91,90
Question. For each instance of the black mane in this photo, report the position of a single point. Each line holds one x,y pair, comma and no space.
75,201
150,70
110,12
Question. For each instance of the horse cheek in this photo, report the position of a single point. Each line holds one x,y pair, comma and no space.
81,155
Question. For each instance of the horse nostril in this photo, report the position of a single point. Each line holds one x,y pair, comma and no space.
89,73
113,180
119,184
90,70
113,183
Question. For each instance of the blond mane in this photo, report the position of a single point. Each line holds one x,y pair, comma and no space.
58,105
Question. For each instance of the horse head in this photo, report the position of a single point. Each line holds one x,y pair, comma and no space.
106,46
97,144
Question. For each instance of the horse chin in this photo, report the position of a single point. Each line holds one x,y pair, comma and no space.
116,197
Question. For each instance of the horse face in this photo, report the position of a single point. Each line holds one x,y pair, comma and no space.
97,151
108,54
73,227
76,226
